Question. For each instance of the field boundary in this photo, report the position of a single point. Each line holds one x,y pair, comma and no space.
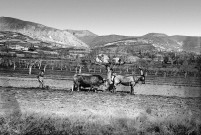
67,83
157,80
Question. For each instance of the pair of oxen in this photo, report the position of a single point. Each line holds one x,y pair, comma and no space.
97,82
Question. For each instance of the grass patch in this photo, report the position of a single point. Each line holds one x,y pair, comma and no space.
39,125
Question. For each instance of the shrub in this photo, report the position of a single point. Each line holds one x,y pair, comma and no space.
38,125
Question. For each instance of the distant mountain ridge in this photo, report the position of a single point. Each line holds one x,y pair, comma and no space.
161,42
40,32
85,36
87,39
81,33
94,40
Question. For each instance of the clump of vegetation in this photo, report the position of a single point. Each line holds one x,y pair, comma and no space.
35,125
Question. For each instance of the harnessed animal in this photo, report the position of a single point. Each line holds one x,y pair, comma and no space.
87,80
130,80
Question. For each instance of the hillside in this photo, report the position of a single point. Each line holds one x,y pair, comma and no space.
127,46
81,33
101,40
17,43
94,40
162,42
41,32
189,43
84,35
13,38
86,39
158,41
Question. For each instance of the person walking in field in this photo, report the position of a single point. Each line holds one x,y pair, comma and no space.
142,78
41,79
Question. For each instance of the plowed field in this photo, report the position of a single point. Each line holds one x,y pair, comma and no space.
103,104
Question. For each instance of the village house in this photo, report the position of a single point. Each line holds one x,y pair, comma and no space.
158,57
18,47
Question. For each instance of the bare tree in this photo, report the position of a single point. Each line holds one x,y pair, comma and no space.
30,64
14,61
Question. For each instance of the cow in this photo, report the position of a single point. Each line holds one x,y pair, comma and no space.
115,80
87,80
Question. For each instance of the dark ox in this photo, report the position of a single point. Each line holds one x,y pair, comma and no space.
87,80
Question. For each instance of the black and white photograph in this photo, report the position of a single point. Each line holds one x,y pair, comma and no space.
100,67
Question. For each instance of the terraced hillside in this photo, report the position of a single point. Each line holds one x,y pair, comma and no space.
14,38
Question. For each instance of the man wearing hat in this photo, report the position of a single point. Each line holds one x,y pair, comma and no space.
142,78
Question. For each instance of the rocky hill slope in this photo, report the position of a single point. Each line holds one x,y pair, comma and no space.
13,38
84,35
41,32
81,33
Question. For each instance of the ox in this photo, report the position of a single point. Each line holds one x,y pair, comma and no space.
87,80
115,80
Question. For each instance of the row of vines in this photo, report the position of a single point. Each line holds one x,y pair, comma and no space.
79,66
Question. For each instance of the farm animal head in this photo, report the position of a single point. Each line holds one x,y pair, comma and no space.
140,79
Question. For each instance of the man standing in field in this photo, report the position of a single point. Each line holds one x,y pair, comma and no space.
41,79
110,77
142,75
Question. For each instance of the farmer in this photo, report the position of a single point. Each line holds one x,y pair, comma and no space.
110,77
40,79
142,78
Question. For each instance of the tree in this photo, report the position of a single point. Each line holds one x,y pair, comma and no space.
39,63
78,64
14,61
89,67
165,59
30,64
185,68
143,63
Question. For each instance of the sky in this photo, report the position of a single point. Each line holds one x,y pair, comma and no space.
105,17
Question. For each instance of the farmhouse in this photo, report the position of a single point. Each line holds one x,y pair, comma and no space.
158,57
18,47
